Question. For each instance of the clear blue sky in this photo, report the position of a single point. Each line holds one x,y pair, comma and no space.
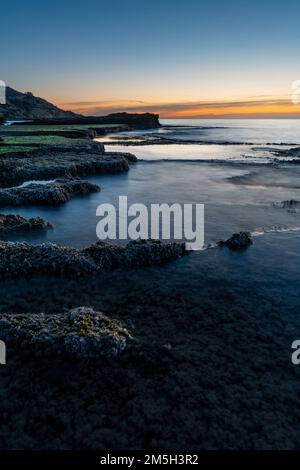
116,53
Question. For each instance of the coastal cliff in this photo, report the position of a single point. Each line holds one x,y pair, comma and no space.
26,106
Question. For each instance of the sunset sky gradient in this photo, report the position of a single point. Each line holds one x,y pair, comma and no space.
175,58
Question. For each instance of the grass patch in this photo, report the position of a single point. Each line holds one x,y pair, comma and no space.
13,149
55,128
36,139
26,143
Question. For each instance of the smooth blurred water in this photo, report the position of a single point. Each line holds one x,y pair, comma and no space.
204,152
249,131
229,317
236,197
257,131
244,140
238,192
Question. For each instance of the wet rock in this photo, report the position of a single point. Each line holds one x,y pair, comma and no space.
78,159
238,241
80,333
11,223
21,259
128,156
79,145
290,152
291,206
53,193
137,253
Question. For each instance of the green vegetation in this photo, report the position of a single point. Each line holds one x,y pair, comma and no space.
12,142
12,149
54,128
27,143
36,139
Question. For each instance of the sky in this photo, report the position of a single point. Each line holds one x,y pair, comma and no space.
189,58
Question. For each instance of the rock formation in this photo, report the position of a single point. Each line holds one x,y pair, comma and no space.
22,259
83,158
26,106
52,193
238,241
11,223
79,333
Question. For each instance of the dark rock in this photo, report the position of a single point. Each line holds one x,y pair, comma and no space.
290,152
78,145
136,121
22,259
238,241
81,158
80,333
291,206
52,193
27,106
127,120
137,253
11,223
129,156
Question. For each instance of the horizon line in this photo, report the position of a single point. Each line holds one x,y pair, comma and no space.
266,108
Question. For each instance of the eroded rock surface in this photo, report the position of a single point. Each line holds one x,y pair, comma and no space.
52,193
78,159
11,223
238,241
21,259
81,333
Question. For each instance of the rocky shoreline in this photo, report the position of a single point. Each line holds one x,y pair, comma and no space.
64,164
81,159
23,259
78,333
197,372
26,106
157,139
11,223
179,358
52,193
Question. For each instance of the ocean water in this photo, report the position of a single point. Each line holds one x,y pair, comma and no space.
229,318
254,131
245,140
226,380
239,184
235,198
204,152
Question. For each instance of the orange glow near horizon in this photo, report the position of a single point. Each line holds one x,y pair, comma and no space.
242,111
274,107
